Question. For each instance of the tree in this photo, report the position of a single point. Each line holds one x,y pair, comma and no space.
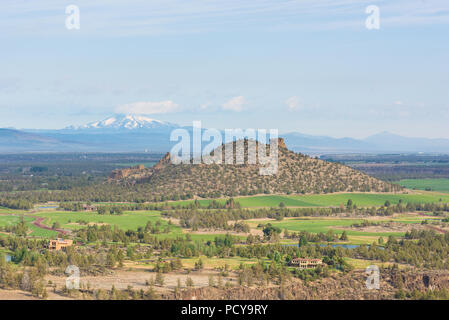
344,236
159,279
199,265
270,231
349,204
110,260
189,282
211,281
302,241
56,225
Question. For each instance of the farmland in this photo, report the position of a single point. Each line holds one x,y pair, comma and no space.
334,199
441,185
76,220
338,225
226,265
132,220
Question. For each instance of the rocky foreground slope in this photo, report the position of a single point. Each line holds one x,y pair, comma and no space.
351,286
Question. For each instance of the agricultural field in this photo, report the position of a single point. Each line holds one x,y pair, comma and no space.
441,185
338,225
129,220
134,219
76,220
327,200
10,220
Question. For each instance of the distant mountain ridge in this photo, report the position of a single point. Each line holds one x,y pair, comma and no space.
134,133
384,142
12,140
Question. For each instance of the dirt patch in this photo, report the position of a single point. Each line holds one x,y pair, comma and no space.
137,279
15,295
38,223
99,224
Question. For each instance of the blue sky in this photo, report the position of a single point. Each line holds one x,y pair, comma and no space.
308,65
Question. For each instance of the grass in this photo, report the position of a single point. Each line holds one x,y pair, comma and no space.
134,219
370,199
323,225
7,220
10,220
7,210
328,200
441,185
128,220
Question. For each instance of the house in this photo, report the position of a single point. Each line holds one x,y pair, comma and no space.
303,263
88,208
60,244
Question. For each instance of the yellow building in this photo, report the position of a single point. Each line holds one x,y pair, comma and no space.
60,244
303,263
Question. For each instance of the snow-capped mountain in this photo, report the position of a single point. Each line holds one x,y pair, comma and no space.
126,122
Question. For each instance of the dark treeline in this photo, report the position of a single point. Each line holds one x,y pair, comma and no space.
21,172
20,204
428,250
120,207
396,166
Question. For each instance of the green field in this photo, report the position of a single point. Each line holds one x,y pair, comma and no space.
317,225
7,210
129,220
371,199
324,225
9,220
441,185
134,219
327,200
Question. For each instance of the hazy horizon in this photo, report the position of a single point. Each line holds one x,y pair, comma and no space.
221,128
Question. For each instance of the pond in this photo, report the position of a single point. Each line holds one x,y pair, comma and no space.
48,207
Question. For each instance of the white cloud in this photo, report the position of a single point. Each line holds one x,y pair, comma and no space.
235,104
293,103
148,107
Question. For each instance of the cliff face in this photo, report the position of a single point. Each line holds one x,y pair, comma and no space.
119,174
166,160
341,287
